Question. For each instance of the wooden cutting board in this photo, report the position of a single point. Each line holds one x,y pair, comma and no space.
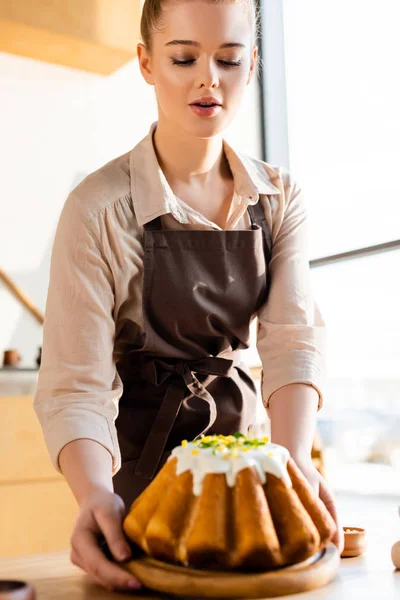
182,581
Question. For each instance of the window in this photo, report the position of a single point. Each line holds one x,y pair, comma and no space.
341,96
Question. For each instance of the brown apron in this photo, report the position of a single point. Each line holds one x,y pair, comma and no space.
201,290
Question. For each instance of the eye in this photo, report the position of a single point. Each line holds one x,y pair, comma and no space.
182,63
187,63
232,63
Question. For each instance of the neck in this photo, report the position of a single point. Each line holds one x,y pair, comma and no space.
190,161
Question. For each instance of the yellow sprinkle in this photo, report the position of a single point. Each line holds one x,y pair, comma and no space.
235,453
245,449
270,454
184,443
265,439
195,451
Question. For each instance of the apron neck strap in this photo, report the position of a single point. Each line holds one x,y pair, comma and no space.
256,213
154,225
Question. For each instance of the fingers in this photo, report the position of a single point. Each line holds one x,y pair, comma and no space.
314,505
110,524
87,555
76,560
327,497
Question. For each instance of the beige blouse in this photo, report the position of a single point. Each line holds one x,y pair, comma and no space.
94,299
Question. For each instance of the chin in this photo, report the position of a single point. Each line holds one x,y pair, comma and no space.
206,128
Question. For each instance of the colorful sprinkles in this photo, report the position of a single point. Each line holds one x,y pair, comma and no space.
229,446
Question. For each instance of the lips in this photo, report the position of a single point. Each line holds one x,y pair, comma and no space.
206,102
206,111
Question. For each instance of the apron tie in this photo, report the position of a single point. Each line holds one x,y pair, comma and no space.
157,371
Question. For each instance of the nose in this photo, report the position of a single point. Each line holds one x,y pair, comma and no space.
208,76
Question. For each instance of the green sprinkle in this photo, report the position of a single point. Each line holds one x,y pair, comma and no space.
231,442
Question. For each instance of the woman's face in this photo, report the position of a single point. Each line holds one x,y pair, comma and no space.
204,66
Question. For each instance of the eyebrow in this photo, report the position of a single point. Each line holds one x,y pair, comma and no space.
197,44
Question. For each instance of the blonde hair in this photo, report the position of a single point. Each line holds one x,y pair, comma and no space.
152,17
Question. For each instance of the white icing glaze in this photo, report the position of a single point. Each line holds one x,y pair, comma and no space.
268,458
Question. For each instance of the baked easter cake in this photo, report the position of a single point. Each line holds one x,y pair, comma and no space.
230,502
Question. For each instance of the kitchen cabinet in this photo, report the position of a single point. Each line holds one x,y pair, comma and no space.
37,508
95,36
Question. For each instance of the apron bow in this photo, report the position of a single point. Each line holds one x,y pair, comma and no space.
158,370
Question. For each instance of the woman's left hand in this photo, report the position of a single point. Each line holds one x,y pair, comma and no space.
322,490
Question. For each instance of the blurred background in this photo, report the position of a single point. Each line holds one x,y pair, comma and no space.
325,106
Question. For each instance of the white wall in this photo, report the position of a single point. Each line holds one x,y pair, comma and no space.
57,125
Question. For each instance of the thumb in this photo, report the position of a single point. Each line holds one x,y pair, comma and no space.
110,523
327,497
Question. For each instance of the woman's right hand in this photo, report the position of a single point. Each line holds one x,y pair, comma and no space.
102,512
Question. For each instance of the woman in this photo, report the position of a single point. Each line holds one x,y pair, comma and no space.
161,260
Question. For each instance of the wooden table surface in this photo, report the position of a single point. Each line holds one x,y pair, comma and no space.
371,576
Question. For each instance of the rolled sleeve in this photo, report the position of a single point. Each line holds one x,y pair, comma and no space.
291,335
78,386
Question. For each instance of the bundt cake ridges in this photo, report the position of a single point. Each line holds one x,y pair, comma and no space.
256,544
298,536
167,524
249,526
207,538
144,507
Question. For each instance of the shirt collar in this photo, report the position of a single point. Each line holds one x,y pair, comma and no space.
152,196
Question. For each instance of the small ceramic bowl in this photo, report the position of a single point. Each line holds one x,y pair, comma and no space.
16,590
354,541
